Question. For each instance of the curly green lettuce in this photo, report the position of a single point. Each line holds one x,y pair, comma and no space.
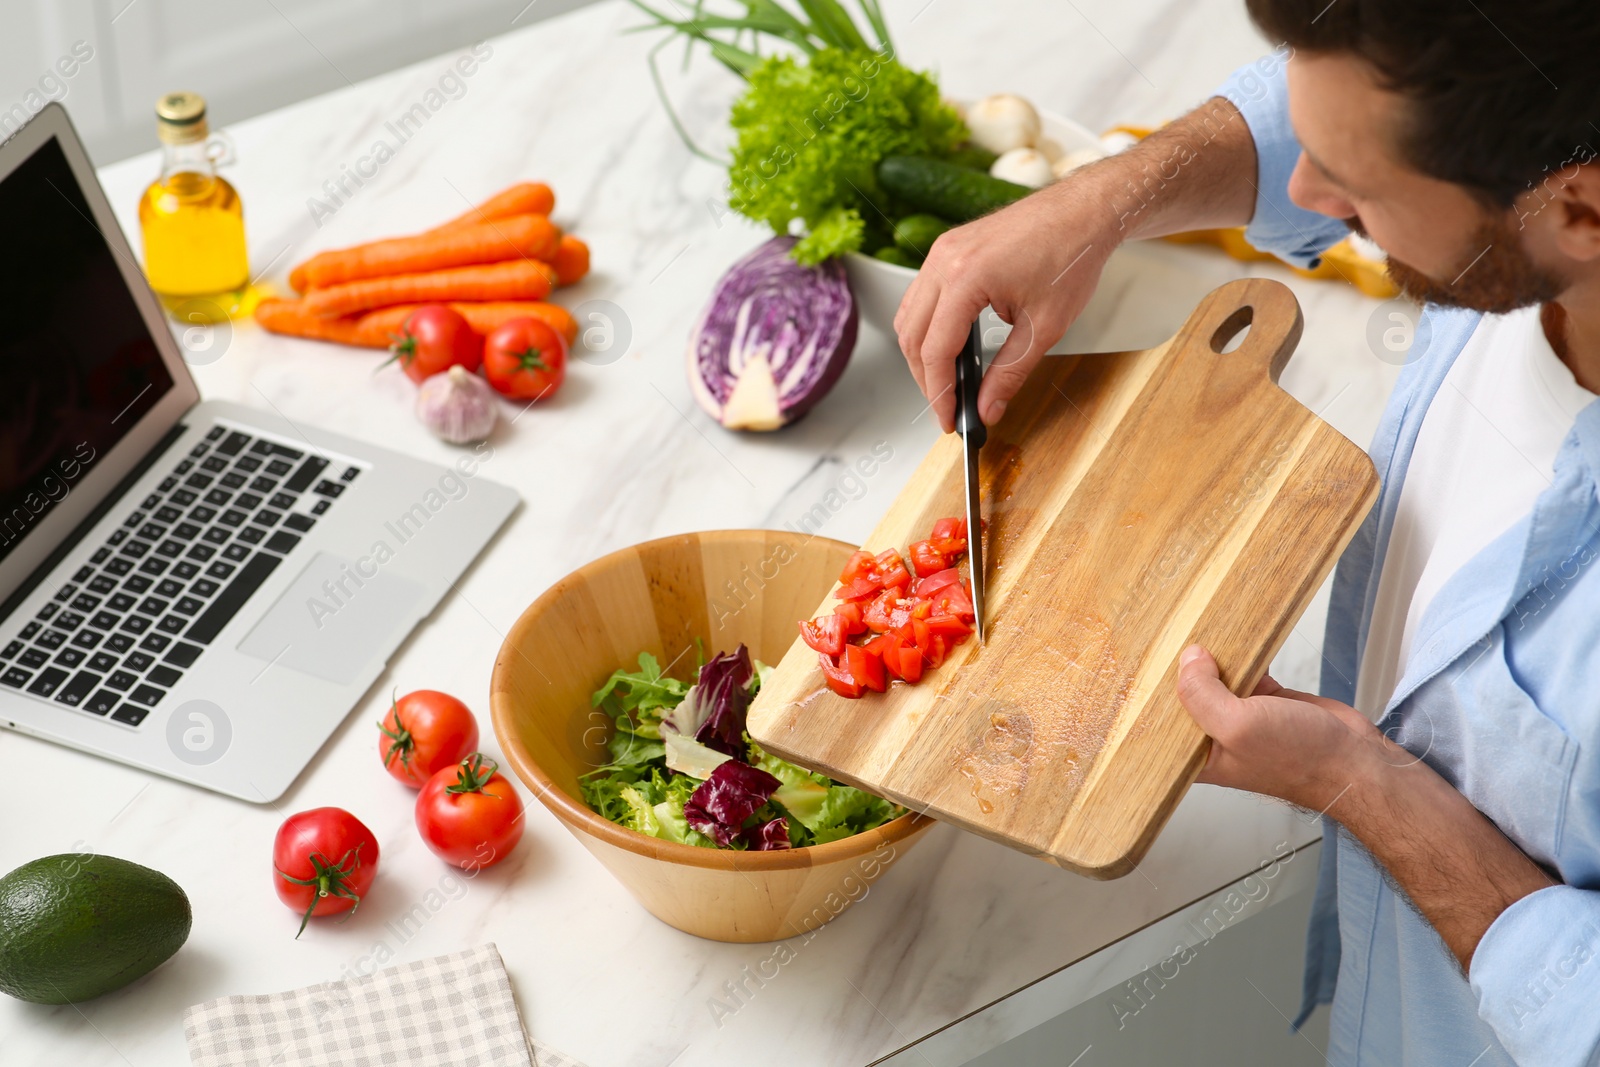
810,135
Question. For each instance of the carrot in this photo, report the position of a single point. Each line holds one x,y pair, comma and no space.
376,329
513,237
523,279
483,317
291,317
520,199
571,260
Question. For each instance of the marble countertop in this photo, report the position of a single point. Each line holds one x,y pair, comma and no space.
960,925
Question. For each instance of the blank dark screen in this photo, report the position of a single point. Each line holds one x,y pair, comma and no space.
78,367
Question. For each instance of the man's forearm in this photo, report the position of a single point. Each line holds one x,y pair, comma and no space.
1457,867
1197,172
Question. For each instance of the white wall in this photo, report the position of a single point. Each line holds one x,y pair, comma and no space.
244,56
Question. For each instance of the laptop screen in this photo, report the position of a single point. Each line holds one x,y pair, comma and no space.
78,367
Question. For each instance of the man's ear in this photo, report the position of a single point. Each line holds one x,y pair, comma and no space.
1564,210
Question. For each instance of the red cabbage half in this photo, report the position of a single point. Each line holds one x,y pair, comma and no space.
773,340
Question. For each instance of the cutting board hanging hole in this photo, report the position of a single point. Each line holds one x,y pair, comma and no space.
1234,329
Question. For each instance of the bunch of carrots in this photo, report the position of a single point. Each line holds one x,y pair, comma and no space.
497,262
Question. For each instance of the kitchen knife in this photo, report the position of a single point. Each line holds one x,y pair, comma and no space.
969,375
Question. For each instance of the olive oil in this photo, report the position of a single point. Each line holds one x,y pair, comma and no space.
192,220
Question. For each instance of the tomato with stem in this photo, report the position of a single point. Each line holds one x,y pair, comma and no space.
323,862
525,359
425,732
469,814
433,339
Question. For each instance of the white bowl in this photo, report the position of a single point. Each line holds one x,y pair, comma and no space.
879,286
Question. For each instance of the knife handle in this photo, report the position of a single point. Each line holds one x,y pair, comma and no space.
969,375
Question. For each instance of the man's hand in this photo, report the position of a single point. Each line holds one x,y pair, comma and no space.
1036,263
1456,866
1296,746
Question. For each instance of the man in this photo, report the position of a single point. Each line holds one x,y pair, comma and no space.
1458,912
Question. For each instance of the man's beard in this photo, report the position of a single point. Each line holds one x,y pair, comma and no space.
1501,278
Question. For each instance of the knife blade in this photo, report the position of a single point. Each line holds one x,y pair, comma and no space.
969,375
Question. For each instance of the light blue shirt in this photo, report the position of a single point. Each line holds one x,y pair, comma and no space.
1500,695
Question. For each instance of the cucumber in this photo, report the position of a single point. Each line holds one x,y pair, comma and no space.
973,157
75,926
897,255
946,189
915,234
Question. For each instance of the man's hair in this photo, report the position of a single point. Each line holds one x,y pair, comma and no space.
1499,91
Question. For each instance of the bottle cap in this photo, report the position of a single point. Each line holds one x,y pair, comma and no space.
181,118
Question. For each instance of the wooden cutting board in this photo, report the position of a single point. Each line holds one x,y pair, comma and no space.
1135,502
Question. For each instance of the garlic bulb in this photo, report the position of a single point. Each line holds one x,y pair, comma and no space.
1003,122
457,405
1025,166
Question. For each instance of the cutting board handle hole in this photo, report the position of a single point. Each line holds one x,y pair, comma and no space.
1234,329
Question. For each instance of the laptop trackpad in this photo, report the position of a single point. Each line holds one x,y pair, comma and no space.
334,619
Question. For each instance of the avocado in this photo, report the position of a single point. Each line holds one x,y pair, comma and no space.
75,926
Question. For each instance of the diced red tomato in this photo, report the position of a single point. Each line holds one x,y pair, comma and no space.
878,644
934,652
859,589
953,599
927,559
825,633
903,660
839,679
892,569
849,613
926,587
861,564
948,626
947,528
877,615
949,547
865,668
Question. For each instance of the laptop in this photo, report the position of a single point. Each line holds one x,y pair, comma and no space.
198,588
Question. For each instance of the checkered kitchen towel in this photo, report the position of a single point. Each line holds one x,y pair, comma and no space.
448,1011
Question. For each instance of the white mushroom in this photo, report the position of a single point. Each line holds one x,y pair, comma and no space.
1002,122
1050,148
1025,166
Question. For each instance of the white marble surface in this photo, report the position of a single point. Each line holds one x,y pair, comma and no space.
619,456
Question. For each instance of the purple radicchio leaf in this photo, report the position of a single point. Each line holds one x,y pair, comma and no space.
768,837
724,801
724,688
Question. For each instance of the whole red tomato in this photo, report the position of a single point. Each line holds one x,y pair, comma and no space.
323,862
433,339
469,815
525,359
424,733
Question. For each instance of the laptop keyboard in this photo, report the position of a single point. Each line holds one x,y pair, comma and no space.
139,614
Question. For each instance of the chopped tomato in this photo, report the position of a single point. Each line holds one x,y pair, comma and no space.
825,633
877,614
949,626
878,644
949,547
893,570
953,599
849,613
861,564
866,668
926,559
948,528
935,650
838,678
903,660
926,587
859,589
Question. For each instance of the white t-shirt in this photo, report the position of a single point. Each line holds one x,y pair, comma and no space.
1485,452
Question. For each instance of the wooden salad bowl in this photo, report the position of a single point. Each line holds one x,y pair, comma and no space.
723,587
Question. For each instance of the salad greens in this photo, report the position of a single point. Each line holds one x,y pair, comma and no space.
683,768
816,116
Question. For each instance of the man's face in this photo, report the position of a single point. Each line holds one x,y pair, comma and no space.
1444,245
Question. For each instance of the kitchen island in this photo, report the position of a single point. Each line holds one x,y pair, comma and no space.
963,944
